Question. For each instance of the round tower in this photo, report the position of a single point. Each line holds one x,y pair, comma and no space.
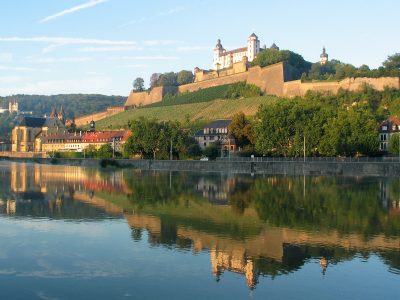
218,51
253,46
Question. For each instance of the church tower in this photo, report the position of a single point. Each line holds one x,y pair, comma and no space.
61,115
253,47
53,113
13,106
323,57
218,51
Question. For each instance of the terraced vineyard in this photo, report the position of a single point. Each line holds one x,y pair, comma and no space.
202,111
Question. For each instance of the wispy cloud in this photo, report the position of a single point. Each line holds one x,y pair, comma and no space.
52,60
168,12
193,48
155,57
137,66
74,9
22,69
6,57
10,79
161,42
64,41
110,49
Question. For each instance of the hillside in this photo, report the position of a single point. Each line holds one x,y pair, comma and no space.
74,104
203,111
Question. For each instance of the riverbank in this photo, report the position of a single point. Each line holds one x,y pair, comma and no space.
335,168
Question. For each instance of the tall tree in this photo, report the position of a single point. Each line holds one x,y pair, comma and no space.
138,84
185,77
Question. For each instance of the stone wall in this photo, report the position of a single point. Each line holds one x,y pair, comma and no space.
86,119
337,168
145,98
298,88
278,80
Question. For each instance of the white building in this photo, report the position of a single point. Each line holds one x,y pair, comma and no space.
224,59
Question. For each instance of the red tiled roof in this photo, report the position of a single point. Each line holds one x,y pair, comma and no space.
106,136
394,120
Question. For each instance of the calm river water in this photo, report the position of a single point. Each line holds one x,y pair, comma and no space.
80,233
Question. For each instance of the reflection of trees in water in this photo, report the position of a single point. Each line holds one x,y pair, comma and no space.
349,205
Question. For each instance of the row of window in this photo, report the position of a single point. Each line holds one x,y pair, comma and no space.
215,130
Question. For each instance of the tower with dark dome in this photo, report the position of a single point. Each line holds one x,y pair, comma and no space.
323,58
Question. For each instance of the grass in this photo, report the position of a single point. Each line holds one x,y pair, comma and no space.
202,95
195,112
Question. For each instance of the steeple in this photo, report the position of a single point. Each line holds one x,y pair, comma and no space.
323,57
53,113
61,115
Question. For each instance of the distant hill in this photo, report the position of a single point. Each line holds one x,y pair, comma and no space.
74,104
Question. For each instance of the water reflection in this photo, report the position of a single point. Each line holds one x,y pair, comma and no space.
254,226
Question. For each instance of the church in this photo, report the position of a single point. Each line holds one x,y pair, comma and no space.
225,59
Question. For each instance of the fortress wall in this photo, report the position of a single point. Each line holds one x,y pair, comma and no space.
270,79
191,87
297,88
84,120
145,98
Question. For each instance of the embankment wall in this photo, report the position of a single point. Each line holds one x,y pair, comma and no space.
377,169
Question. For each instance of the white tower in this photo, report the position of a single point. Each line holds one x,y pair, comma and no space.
253,47
218,51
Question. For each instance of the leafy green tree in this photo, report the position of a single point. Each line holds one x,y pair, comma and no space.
168,79
272,56
394,143
211,152
154,79
241,129
90,151
105,151
138,84
392,65
185,77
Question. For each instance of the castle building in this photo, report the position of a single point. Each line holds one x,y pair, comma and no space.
323,58
225,59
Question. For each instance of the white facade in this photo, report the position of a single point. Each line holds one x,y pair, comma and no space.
224,59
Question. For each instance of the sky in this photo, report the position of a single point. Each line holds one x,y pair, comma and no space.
100,46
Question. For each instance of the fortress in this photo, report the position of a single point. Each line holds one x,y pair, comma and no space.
281,79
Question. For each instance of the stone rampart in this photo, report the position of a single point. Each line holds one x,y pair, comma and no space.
298,88
86,119
278,80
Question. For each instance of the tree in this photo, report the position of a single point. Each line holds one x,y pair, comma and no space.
168,79
241,129
273,56
211,151
154,80
392,64
90,151
185,77
105,151
138,84
394,143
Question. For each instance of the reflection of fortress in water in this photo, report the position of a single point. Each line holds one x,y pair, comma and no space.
237,242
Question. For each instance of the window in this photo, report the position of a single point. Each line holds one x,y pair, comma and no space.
384,127
205,144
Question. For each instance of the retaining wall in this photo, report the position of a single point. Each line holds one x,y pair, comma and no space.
380,169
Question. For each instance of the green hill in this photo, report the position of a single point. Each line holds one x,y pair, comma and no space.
74,104
202,111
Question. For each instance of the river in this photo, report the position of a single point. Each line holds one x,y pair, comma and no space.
71,232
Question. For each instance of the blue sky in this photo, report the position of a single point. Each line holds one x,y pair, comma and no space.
100,46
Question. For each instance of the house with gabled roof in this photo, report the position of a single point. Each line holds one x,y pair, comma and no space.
216,132
386,129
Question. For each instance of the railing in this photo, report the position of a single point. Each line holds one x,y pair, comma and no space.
312,159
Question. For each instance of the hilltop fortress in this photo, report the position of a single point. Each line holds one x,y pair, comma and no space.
280,79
